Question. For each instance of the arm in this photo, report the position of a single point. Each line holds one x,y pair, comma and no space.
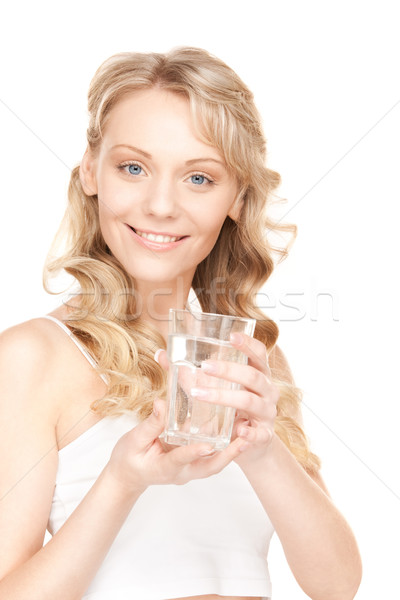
30,375
318,543
65,566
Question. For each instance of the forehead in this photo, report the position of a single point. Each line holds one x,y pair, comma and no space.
155,117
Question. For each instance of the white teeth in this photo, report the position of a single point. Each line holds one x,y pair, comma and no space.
157,238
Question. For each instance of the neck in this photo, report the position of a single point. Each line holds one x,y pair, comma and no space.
156,302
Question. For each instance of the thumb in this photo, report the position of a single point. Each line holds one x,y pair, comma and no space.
161,357
149,429
159,407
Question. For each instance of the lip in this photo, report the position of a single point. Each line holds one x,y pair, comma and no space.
158,232
157,246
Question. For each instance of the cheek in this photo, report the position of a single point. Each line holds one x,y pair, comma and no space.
211,212
114,200
106,225
111,215
212,219
210,224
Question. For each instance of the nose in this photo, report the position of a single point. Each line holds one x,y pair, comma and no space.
161,198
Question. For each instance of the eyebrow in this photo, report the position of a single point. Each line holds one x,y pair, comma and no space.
147,155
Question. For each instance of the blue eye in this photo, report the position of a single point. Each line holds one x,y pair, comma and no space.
198,179
134,169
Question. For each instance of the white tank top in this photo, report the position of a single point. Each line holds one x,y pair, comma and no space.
208,536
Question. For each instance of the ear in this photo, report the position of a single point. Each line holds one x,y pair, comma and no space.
235,210
87,174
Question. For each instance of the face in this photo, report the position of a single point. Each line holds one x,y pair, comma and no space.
163,193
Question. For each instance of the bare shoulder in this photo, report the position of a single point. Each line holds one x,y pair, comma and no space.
27,346
40,367
27,439
27,356
34,353
46,355
32,376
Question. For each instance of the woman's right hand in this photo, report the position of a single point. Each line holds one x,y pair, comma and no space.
140,458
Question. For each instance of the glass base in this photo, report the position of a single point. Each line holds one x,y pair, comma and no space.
178,438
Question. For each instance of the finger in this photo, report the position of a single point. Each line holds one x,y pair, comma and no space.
256,435
161,357
250,377
239,422
211,465
184,455
252,404
149,429
255,350
246,403
204,466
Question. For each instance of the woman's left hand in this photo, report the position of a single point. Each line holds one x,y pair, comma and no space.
255,403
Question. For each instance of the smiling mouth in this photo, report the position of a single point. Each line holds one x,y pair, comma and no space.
160,239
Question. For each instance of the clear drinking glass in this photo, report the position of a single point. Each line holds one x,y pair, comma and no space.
195,337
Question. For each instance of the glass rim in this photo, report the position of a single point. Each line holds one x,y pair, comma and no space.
200,313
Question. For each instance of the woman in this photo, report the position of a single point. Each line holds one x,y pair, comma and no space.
169,196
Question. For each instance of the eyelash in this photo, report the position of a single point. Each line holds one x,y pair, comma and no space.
122,166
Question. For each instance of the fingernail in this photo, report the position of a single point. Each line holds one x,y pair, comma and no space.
156,412
236,338
206,452
199,392
244,431
157,354
208,367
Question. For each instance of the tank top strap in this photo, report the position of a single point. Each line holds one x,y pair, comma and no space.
84,351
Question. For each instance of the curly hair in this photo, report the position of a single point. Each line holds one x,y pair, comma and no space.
108,321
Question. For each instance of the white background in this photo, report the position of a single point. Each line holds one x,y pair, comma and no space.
325,78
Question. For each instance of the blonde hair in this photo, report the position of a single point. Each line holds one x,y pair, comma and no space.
242,259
